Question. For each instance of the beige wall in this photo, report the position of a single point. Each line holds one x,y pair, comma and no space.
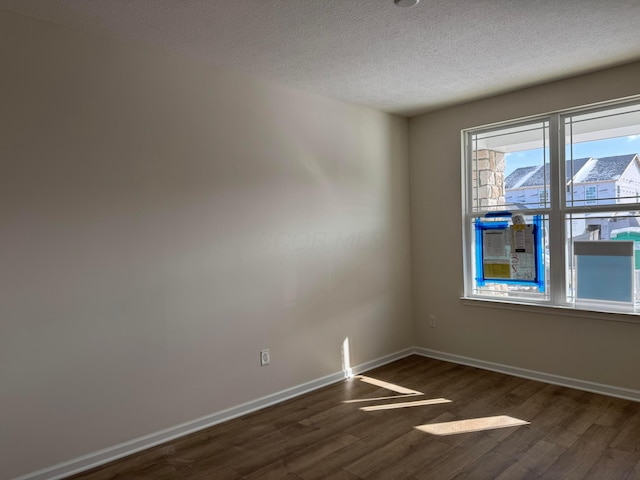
586,349
161,222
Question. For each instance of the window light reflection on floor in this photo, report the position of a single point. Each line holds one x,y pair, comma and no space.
375,399
471,425
418,403
389,386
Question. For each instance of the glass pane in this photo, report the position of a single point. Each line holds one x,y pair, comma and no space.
603,166
510,168
612,226
515,291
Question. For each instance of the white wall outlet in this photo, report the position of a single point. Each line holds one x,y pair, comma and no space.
265,357
432,321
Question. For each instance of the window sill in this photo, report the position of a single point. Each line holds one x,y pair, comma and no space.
565,311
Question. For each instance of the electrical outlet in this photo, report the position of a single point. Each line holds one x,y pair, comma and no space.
265,357
432,321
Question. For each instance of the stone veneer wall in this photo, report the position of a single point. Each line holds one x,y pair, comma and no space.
489,169
489,191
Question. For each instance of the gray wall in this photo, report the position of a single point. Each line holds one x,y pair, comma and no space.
585,349
161,222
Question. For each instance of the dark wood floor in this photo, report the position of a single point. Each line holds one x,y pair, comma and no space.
327,435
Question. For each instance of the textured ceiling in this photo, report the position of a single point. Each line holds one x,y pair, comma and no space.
370,52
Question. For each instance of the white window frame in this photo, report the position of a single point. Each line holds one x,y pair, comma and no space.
557,210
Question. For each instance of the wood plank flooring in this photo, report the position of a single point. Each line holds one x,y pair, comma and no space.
327,435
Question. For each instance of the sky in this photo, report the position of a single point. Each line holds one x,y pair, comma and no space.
596,149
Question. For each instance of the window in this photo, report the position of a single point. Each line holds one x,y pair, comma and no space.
574,174
544,197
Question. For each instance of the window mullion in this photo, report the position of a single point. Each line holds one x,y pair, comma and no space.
557,222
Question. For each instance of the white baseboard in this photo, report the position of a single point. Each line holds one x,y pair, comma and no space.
609,390
107,455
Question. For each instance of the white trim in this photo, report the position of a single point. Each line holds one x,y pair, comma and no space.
600,388
95,459
573,311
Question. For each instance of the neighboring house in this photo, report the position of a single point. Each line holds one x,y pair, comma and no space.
607,180
529,186
589,181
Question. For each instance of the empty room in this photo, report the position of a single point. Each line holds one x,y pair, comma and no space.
319,239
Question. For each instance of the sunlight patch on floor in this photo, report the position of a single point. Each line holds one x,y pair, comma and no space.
471,425
375,399
392,406
389,386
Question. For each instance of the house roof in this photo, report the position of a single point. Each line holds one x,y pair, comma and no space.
518,176
584,170
539,177
574,167
604,169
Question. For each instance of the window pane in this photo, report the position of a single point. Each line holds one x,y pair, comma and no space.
510,168
614,226
515,291
603,166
